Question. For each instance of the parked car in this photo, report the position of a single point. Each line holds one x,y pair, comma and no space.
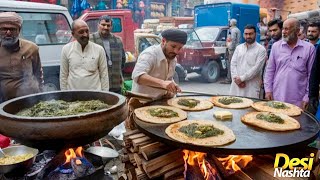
205,51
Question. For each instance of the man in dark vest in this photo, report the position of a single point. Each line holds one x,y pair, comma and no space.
113,46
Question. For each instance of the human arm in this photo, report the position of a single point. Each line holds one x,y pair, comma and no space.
103,70
233,39
168,85
269,74
64,69
234,63
140,74
257,68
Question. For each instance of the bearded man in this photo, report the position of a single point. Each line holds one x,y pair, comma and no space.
115,55
289,67
246,65
155,66
20,66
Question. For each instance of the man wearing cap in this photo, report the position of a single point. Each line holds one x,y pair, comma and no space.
20,66
153,73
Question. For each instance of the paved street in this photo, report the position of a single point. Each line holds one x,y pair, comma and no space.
197,84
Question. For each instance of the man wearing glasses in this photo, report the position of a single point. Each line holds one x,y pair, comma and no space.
115,54
20,66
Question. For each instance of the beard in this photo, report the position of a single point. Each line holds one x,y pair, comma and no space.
9,41
312,38
250,41
169,55
290,37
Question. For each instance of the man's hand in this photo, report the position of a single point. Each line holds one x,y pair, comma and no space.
237,80
168,95
171,86
242,85
269,96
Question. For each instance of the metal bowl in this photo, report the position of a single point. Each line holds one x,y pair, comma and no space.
105,153
64,131
21,166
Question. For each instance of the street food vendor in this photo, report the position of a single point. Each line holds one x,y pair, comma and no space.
20,67
155,68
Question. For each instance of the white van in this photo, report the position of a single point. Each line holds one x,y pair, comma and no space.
47,25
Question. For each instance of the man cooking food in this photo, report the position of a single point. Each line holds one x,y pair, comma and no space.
155,68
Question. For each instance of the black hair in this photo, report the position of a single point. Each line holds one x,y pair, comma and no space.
106,18
250,26
276,21
314,24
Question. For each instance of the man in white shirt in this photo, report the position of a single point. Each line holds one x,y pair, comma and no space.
246,65
156,66
83,63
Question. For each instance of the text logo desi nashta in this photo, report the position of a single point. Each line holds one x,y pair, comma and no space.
294,167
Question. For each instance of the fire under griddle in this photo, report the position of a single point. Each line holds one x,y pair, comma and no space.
249,139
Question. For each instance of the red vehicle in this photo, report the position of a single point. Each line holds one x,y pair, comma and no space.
204,52
123,25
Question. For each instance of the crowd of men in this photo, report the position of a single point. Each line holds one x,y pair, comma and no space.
288,68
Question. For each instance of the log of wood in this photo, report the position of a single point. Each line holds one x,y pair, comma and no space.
131,158
135,136
221,169
163,169
130,132
153,150
137,158
131,174
161,161
193,173
137,146
172,174
140,174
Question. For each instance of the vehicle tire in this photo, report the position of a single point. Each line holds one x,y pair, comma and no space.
211,71
51,84
181,73
176,77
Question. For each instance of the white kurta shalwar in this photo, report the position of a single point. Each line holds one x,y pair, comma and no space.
247,63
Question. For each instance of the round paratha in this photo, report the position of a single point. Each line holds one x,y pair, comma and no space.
272,123
277,107
231,102
145,114
190,103
176,132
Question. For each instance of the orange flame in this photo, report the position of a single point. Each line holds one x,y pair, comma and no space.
193,158
235,162
71,154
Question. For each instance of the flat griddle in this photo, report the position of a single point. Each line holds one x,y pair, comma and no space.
249,139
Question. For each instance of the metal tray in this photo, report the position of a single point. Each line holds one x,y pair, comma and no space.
249,139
